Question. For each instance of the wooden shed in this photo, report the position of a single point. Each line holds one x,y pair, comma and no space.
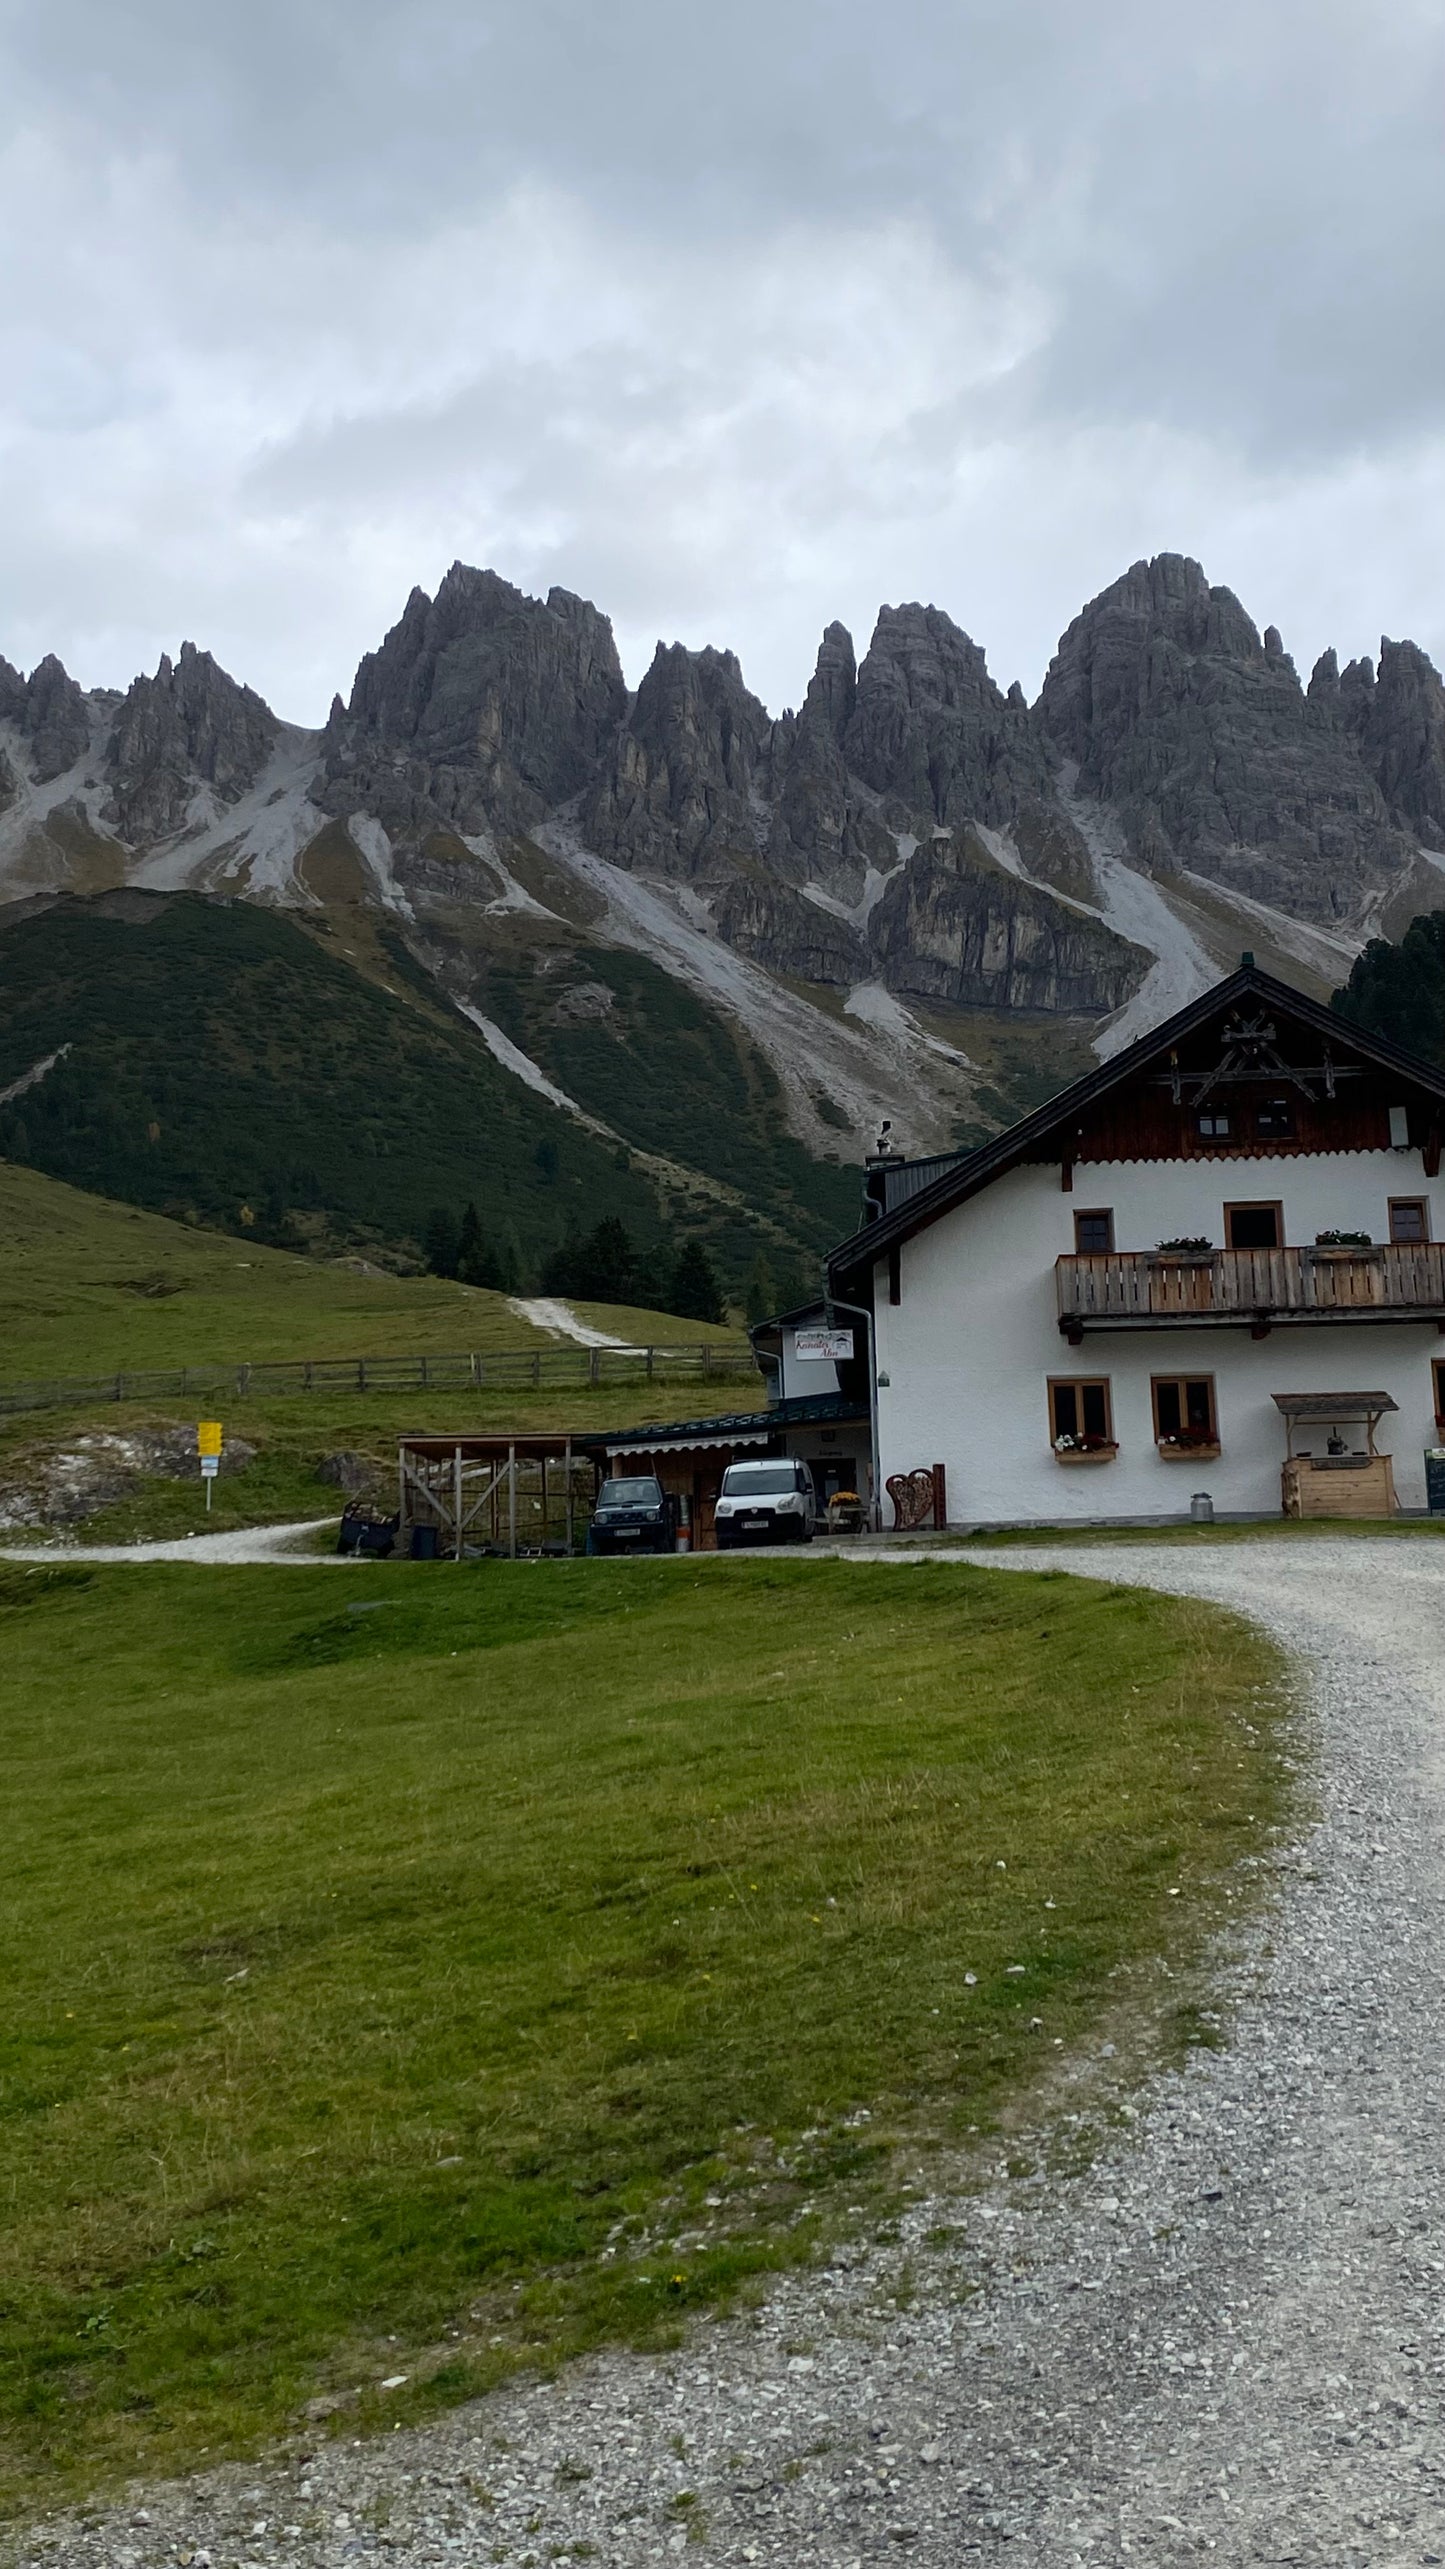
510,1494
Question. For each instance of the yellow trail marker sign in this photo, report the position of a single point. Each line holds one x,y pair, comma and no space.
208,1436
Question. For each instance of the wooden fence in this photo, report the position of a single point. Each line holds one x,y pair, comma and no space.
504,1369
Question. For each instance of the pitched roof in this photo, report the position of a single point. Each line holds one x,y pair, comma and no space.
974,1170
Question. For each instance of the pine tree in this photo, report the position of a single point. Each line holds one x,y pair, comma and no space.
693,1291
760,1294
440,1241
609,1264
476,1262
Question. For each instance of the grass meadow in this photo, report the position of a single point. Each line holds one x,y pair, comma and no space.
430,1971
88,1287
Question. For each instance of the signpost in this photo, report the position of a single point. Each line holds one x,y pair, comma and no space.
833,1346
208,1446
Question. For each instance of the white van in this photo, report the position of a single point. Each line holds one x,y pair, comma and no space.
766,1502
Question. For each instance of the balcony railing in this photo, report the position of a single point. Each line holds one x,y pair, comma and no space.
1142,1289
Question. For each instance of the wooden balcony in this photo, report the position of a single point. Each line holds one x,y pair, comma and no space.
1257,1289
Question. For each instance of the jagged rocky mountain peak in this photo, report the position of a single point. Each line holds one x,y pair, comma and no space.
190,726
932,732
54,720
499,704
680,793
1324,686
833,687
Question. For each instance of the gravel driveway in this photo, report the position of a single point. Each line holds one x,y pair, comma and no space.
1226,2339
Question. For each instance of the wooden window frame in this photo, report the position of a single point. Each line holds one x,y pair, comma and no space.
1255,1204
1211,1115
1262,1106
1094,1213
1207,1449
1105,1451
1423,1202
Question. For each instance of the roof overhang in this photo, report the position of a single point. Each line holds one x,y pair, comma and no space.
854,1258
1332,1405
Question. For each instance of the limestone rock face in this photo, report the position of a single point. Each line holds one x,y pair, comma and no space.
931,732
954,927
1174,709
781,927
681,793
1397,716
50,710
481,708
189,725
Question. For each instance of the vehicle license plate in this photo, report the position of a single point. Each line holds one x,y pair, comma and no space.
754,1524
628,1533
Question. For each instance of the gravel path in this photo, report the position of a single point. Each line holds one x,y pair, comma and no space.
250,1543
1226,2339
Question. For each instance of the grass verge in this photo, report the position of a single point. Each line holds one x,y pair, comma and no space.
493,1964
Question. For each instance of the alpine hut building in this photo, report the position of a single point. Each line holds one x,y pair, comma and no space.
1215,1266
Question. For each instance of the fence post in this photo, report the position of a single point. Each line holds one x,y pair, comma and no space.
361,1373
594,1364
649,1364
707,1357
537,1368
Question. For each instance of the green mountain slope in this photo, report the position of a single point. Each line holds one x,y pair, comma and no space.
91,1287
222,1066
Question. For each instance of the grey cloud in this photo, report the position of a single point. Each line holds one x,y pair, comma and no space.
738,320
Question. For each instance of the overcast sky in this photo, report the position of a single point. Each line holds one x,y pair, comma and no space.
735,318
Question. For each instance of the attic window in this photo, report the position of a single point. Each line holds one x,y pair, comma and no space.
1213,1126
1274,1119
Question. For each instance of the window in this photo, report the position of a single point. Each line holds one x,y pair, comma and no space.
1274,1119
1080,1420
1213,1125
1253,1226
1438,1371
1093,1234
1409,1218
1185,1420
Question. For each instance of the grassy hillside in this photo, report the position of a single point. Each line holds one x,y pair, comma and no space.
521,1959
228,1065
91,1287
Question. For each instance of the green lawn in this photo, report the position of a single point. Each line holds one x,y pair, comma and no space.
89,1287
397,1959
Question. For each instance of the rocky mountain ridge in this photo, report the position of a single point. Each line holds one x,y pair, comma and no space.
867,887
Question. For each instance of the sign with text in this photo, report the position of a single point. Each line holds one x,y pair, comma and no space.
208,1436
1435,1479
832,1345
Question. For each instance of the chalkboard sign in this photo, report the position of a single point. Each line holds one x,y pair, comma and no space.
1435,1479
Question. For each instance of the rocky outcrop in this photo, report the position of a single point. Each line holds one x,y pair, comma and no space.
931,732
1397,719
483,708
1176,710
48,708
188,726
681,792
955,928
782,928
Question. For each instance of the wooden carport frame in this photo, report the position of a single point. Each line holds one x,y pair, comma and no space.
455,1482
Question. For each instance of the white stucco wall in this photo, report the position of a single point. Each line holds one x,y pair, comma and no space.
970,1348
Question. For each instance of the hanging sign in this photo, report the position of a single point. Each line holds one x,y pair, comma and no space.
835,1346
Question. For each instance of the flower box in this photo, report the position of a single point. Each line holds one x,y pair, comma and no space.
1172,1449
1085,1453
